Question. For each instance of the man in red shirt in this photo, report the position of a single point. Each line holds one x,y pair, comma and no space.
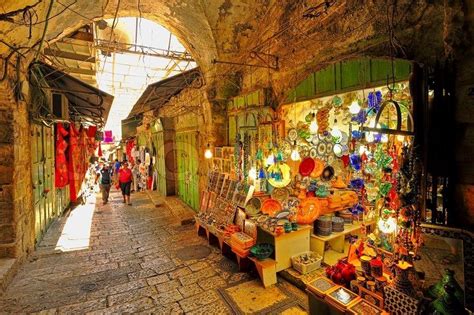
125,181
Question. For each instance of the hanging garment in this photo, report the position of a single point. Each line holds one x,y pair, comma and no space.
61,170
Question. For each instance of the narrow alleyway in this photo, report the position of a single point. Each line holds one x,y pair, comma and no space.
137,259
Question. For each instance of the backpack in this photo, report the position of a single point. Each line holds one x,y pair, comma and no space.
105,177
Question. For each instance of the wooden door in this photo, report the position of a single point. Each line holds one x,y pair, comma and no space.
158,142
42,160
187,159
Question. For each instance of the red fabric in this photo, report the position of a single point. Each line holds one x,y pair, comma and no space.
99,153
91,131
128,150
61,177
125,175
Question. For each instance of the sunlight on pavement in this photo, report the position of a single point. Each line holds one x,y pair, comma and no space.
77,230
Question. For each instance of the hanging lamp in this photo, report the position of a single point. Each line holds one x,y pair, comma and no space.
398,131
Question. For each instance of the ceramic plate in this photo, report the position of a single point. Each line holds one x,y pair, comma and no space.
328,173
271,207
253,207
315,140
286,175
321,148
291,203
292,134
306,166
280,194
313,153
345,138
329,147
338,150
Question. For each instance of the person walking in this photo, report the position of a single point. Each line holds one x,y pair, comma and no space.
104,176
136,175
125,181
116,171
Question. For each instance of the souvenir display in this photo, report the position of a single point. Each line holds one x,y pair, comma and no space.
343,167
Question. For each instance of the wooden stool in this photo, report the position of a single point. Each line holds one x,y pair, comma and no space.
266,270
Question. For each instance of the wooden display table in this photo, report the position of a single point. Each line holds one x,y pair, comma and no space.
266,270
335,240
286,245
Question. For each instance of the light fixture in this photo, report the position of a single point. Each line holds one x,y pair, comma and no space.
208,152
354,108
384,138
401,138
270,159
295,155
336,133
388,225
252,173
313,126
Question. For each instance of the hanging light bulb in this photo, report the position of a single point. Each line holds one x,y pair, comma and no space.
401,138
388,225
295,155
313,126
336,133
270,159
354,108
384,138
252,173
208,152
369,136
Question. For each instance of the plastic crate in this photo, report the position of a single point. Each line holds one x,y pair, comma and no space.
304,268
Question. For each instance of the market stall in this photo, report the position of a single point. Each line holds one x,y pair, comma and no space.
330,186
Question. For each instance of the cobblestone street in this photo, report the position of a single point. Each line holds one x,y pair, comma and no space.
139,259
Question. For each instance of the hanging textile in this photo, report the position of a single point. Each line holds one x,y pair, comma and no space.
129,150
61,178
108,136
74,160
99,153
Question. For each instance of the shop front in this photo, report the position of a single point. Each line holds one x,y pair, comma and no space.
330,192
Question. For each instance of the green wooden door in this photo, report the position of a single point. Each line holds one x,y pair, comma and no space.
42,160
187,159
158,142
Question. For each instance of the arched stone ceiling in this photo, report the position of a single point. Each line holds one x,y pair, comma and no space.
228,30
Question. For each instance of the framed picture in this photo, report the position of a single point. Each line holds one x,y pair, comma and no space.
231,190
371,297
212,201
250,228
240,217
225,188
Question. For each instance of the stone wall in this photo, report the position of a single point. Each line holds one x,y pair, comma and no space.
16,206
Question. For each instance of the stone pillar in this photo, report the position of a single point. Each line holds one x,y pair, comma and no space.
16,206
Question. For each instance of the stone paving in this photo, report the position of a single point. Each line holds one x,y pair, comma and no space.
134,264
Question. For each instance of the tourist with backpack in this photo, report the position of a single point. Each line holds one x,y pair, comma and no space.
104,176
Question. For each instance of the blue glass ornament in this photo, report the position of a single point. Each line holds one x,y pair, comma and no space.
356,134
356,161
357,183
357,209
361,117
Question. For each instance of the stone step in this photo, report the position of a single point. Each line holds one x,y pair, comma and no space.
8,268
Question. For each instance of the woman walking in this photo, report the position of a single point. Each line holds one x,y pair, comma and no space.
125,180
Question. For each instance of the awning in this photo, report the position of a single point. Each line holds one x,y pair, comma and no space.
129,126
159,93
87,104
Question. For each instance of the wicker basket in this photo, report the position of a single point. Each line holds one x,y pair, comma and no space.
305,268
